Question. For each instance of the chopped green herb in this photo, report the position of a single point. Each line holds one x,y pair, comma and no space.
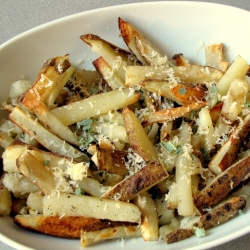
179,149
214,89
86,141
240,212
85,125
46,163
225,137
79,191
169,146
247,104
199,232
182,91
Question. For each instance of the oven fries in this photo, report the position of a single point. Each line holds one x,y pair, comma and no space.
142,146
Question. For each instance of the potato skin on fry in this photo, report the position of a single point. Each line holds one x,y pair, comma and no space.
222,213
222,185
137,136
137,183
179,234
65,227
111,161
89,237
227,154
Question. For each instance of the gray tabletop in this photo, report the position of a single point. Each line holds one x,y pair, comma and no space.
19,16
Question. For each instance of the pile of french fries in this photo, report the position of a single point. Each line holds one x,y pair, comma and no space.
143,146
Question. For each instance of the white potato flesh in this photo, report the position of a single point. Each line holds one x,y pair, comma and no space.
96,105
237,69
150,224
43,136
184,173
35,201
5,199
18,184
88,206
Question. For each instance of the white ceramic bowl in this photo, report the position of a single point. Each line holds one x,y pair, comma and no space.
174,27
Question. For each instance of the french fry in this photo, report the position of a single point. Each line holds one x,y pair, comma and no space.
137,183
63,227
52,123
116,57
222,185
223,212
227,154
187,74
108,230
179,93
107,74
214,57
167,115
13,151
218,215
94,207
180,60
236,70
92,186
206,129
232,105
179,234
37,173
149,224
19,185
140,46
111,161
137,136
53,73
45,138
5,199
35,202
184,171
5,140
95,105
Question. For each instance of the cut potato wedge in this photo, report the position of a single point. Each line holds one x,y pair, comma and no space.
225,211
180,60
53,73
138,139
137,183
222,185
108,75
214,57
228,153
63,227
32,127
96,105
149,224
179,93
167,115
5,199
116,57
187,74
111,161
237,70
140,46
106,231
36,172
100,208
